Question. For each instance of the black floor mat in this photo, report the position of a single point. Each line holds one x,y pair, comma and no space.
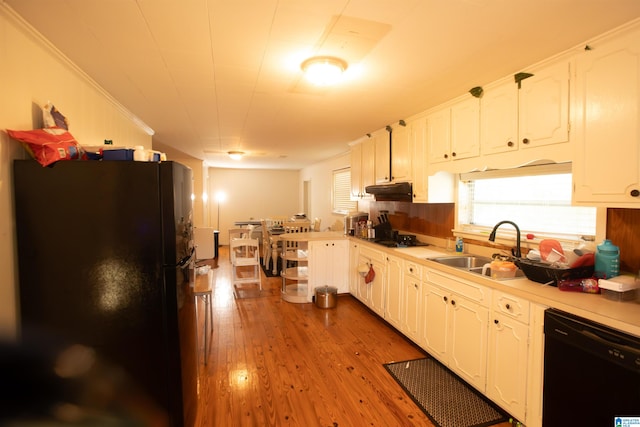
445,398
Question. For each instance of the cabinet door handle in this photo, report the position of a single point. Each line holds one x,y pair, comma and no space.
415,285
446,156
453,302
507,306
510,144
525,141
445,299
635,193
453,154
496,321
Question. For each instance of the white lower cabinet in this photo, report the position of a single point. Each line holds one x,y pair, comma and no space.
394,307
491,339
354,274
508,354
402,307
412,303
372,294
329,264
454,328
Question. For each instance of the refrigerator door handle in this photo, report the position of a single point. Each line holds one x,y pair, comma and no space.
187,259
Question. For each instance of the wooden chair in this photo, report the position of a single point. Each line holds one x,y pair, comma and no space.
266,245
276,220
245,262
297,226
236,233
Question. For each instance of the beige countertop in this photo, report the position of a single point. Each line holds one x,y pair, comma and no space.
624,316
313,235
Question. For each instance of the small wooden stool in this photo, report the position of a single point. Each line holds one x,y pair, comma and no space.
203,289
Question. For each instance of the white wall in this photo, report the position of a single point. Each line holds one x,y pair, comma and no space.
321,183
33,72
252,194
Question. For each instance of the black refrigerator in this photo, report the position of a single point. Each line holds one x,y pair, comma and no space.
105,259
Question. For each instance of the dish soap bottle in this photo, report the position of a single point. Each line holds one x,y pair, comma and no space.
459,245
607,263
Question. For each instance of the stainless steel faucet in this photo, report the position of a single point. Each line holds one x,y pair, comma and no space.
492,237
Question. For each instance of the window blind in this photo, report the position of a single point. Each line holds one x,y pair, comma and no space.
342,191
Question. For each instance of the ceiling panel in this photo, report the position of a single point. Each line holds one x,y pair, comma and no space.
219,73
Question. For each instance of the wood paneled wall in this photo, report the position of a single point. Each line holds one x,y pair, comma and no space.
623,225
623,229
433,219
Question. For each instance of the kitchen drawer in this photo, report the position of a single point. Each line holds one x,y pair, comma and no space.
375,256
412,269
465,288
514,307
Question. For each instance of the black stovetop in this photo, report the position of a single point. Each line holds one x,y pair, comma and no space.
393,244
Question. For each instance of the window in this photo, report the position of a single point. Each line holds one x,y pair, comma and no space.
341,202
537,198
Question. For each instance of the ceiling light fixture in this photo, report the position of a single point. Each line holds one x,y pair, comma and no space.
236,155
323,70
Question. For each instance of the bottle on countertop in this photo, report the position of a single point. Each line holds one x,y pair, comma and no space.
607,264
459,245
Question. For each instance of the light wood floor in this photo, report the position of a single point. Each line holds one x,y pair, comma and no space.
274,363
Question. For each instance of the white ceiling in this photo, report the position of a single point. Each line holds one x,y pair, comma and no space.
210,76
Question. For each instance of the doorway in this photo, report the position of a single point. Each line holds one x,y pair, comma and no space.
306,196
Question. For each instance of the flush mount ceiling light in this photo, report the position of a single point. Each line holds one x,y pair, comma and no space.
236,155
323,70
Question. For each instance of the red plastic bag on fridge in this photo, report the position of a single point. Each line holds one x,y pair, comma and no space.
48,146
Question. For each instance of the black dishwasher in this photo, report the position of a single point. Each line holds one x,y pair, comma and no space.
591,373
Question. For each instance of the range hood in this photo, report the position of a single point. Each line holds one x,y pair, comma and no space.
394,192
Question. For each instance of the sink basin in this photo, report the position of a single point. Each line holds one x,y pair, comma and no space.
465,262
472,264
478,270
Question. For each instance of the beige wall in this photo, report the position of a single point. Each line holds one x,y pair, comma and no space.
320,180
32,72
252,193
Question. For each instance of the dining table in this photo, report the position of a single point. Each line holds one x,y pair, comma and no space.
244,223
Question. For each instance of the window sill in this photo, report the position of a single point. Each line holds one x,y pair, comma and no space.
507,237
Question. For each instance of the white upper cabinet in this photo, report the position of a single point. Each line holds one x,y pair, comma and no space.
382,156
606,166
438,135
436,188
533,115
419,155
362,167
465,128
499,123
543,113
401,165
453,132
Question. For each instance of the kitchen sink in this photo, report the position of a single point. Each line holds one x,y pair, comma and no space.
472,264
478,270
465,262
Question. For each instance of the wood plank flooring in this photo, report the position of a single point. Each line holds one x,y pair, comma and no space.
274,363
